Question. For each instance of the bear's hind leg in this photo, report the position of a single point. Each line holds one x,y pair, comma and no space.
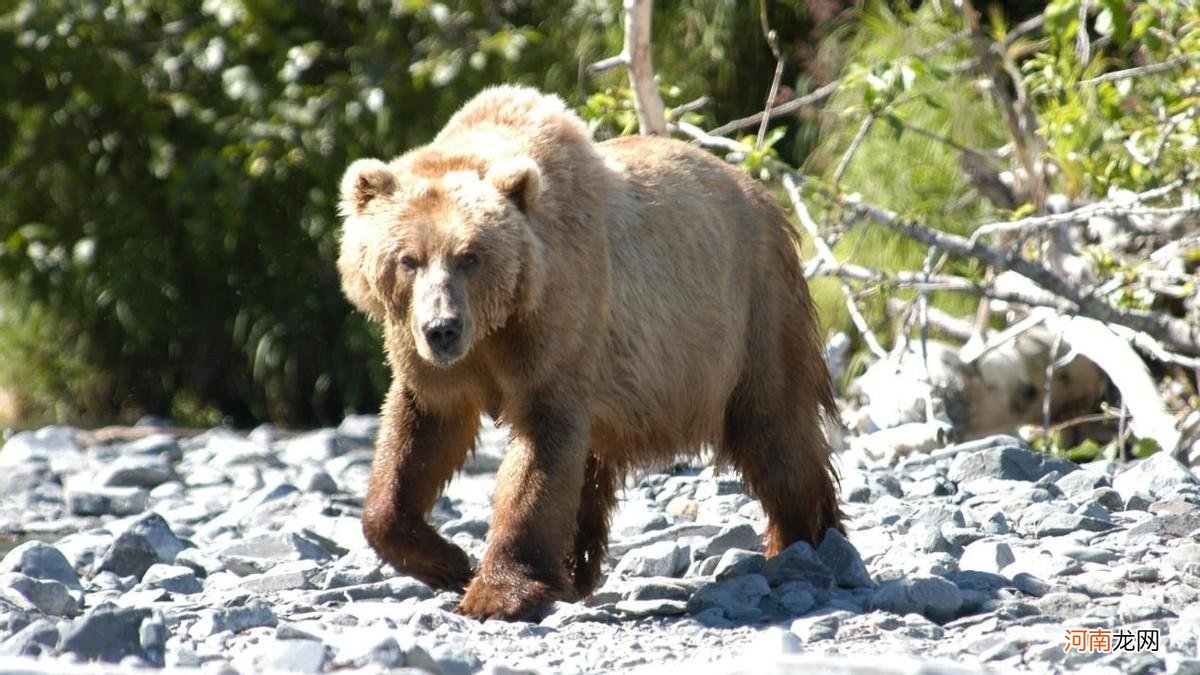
784,457
416,454
591,536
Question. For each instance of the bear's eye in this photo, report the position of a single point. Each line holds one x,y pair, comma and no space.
468,261
409,262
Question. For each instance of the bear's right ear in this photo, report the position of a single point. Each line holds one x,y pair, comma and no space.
519,179
366,179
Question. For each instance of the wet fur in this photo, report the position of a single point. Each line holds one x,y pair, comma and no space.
640,299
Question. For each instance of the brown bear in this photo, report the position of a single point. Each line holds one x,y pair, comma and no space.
618,303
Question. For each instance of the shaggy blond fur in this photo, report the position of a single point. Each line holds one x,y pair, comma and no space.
617,303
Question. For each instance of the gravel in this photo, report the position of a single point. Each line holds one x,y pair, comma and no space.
233,552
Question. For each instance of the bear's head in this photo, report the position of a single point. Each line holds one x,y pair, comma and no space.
440,247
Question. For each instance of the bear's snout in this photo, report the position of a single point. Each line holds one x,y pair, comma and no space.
443,336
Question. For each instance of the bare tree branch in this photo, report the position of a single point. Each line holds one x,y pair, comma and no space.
1139,71
1177,334
636,57
1033,225
826,254
858,139
814,97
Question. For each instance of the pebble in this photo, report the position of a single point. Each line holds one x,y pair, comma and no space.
737,562
254,561
840,556
986,556
661,559
106,633
253,614
736,599
1154,476
930,596
42,561
44,596
146,540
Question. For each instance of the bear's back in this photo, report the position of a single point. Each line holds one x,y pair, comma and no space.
538,124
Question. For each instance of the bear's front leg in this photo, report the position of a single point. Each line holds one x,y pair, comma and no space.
416,454
535,506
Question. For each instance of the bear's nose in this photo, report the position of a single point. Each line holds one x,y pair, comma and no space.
442,334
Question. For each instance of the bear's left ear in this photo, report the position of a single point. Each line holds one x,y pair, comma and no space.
518,179
366,179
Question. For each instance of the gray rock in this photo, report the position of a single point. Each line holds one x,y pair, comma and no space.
640,609
1003,457
1108,498
358,567
43,595
253,504
397,588
792,598
986,556
199,561
820,625
567,613
716,487
1057,524
103,501
453,658
931,596
359,428
39,638
1135,608
172,578
739,536
1138,501
317,480
56,446
631,522
842,558
477,527
861,487
260,553
1155,476
135,471
284,656
1081,484
316,447
736,599
798,562
1093,509
1185,558
673,533
657,588
42,561
378,649
146,541
154,445
736,562
106,633
662,559
253,614
288,576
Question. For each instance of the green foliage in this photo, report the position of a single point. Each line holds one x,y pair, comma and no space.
892,75
1135,132
168,176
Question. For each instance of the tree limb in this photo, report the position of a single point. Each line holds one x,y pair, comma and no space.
826,255
636,57
1177,334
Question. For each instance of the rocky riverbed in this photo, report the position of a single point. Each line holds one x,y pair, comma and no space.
231,552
